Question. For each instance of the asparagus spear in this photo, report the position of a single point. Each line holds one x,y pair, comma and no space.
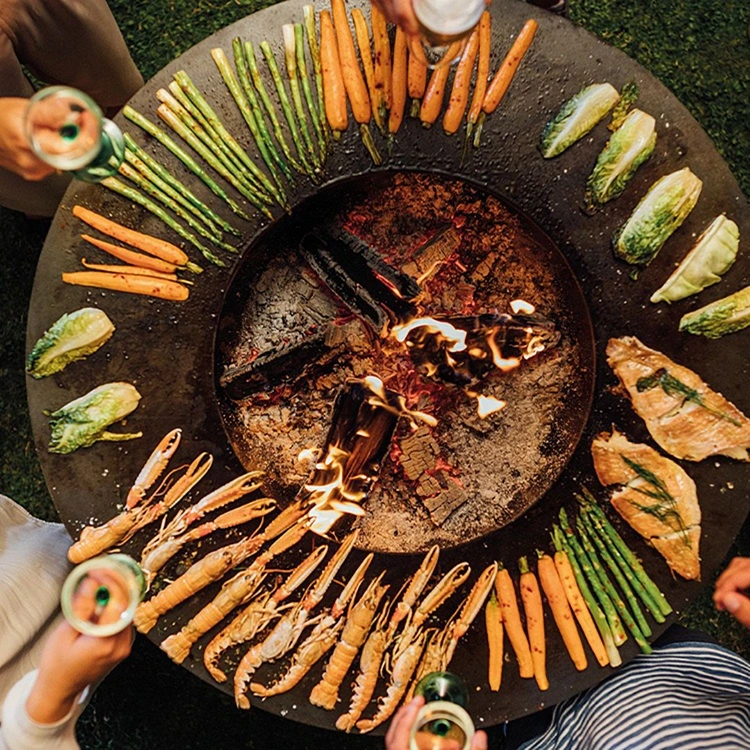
136,177
312,41
558,540
252,65
286,107
116,186
299,48
157,169
597,533
615,624
619,577
617,543
229,78
151,177
142,122
196,97
622,610
202,128
256,198
242,73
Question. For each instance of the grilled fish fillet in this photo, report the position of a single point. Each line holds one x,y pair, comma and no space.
684,416
656,497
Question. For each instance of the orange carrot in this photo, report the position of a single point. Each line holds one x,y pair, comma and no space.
483,67
532,607
334,93
365,52
494,620
398,84
120,282
459,98
433,98
129,270
145,242
382,47
578,605
354,81
130,256
506,71
506,595
558,603
416,75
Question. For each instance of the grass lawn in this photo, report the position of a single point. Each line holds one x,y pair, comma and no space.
699,49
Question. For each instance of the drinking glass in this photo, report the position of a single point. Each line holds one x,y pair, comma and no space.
66,129
443,722
444,28
100,596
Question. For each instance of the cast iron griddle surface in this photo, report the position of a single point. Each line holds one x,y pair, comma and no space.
166,350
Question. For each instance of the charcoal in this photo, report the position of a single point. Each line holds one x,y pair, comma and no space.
428,258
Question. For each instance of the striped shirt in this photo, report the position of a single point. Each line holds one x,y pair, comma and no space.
691,696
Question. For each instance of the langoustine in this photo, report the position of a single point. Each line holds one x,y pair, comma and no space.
288,629
237,591
96,539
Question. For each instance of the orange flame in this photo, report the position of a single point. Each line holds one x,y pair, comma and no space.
522,306
450,332
487,405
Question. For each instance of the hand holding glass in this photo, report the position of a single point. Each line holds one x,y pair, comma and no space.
444,27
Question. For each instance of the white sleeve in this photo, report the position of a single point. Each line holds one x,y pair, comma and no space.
19,732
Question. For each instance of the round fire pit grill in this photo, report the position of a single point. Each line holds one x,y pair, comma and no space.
167,350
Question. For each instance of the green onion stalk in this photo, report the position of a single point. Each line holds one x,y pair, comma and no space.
113,184
255,108
140,181
143,161
299,48
615,623
229,78
156,132
312,41
196,97
622,609
286,107
194,119
617,574
617,543
560,544
302,166
257,198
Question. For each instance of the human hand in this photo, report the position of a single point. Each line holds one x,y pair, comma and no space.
15,152
397,737
732,589
70,662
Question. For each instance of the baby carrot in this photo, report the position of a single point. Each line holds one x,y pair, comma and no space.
416,76
365,52
120,282
433,98
129,270
334,93
580,610
398,82
145,242
483,72
354,82
382,46
494,620
506,596
130,256
532,607
459,98
558,603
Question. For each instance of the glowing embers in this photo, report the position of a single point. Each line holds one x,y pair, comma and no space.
463,350
364,419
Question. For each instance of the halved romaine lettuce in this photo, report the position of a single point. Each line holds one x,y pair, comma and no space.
74,336
661,211
84,421
577,117
710,258
726,315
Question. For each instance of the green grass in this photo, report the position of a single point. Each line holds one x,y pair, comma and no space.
699,49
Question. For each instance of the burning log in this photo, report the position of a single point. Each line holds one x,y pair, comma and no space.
360,278
362,427
462,350
427,259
